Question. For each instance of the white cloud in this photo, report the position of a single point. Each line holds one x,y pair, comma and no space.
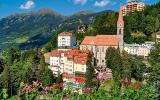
28,5
102,3
82,2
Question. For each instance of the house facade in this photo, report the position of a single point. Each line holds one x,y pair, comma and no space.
66,39
139,49
132,6
72,64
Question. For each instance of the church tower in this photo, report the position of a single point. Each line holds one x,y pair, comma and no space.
120,28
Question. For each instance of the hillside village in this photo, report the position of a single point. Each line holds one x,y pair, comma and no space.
104,61
71,60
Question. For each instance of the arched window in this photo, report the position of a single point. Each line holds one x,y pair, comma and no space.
120,31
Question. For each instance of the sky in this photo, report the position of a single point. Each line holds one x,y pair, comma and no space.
65,7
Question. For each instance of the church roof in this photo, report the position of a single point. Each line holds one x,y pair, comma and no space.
105,40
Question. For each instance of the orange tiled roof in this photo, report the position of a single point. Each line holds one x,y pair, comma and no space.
65,34
100,40
80,79
78,56
56,53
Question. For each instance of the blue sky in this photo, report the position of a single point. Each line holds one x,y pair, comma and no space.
65,7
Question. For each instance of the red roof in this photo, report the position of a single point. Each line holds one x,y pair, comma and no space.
100,40
65,34
78,56
78,78
56,53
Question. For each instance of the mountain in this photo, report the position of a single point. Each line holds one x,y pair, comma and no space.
88,12
32,29
28,28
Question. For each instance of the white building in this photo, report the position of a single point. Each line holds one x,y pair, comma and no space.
56,62
66,39
139,49
132,6
158,37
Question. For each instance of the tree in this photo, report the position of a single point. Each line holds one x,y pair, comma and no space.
14,75
154,71
154,56
45,74
106,23
138,37
47,78
59,79
90,73
137,68
126,66
11,54
52,44
54,40
48,47
114,61
1,65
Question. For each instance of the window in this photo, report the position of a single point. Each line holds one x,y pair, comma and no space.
97,49
103,49
97,60
102,61
119,31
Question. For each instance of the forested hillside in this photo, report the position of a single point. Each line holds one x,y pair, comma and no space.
139,26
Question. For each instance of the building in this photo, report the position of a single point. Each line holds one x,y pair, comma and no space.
158,37
72,64
132,6
82,28
71,61
66,39
57,62
139,49
99,44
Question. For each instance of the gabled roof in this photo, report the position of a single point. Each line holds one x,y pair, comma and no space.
105,40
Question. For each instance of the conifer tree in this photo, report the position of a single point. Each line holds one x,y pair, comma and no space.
114,61
90,73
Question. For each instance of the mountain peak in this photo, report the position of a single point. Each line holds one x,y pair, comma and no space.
46,11
87,12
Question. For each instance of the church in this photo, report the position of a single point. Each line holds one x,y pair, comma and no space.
99,43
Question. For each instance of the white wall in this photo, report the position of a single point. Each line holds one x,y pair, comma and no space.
66,41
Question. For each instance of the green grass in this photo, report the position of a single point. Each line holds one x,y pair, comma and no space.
21,40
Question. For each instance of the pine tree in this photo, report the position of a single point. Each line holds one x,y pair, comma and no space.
126,66
90,73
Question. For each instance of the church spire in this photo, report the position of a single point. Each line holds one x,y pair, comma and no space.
120,17
120,27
